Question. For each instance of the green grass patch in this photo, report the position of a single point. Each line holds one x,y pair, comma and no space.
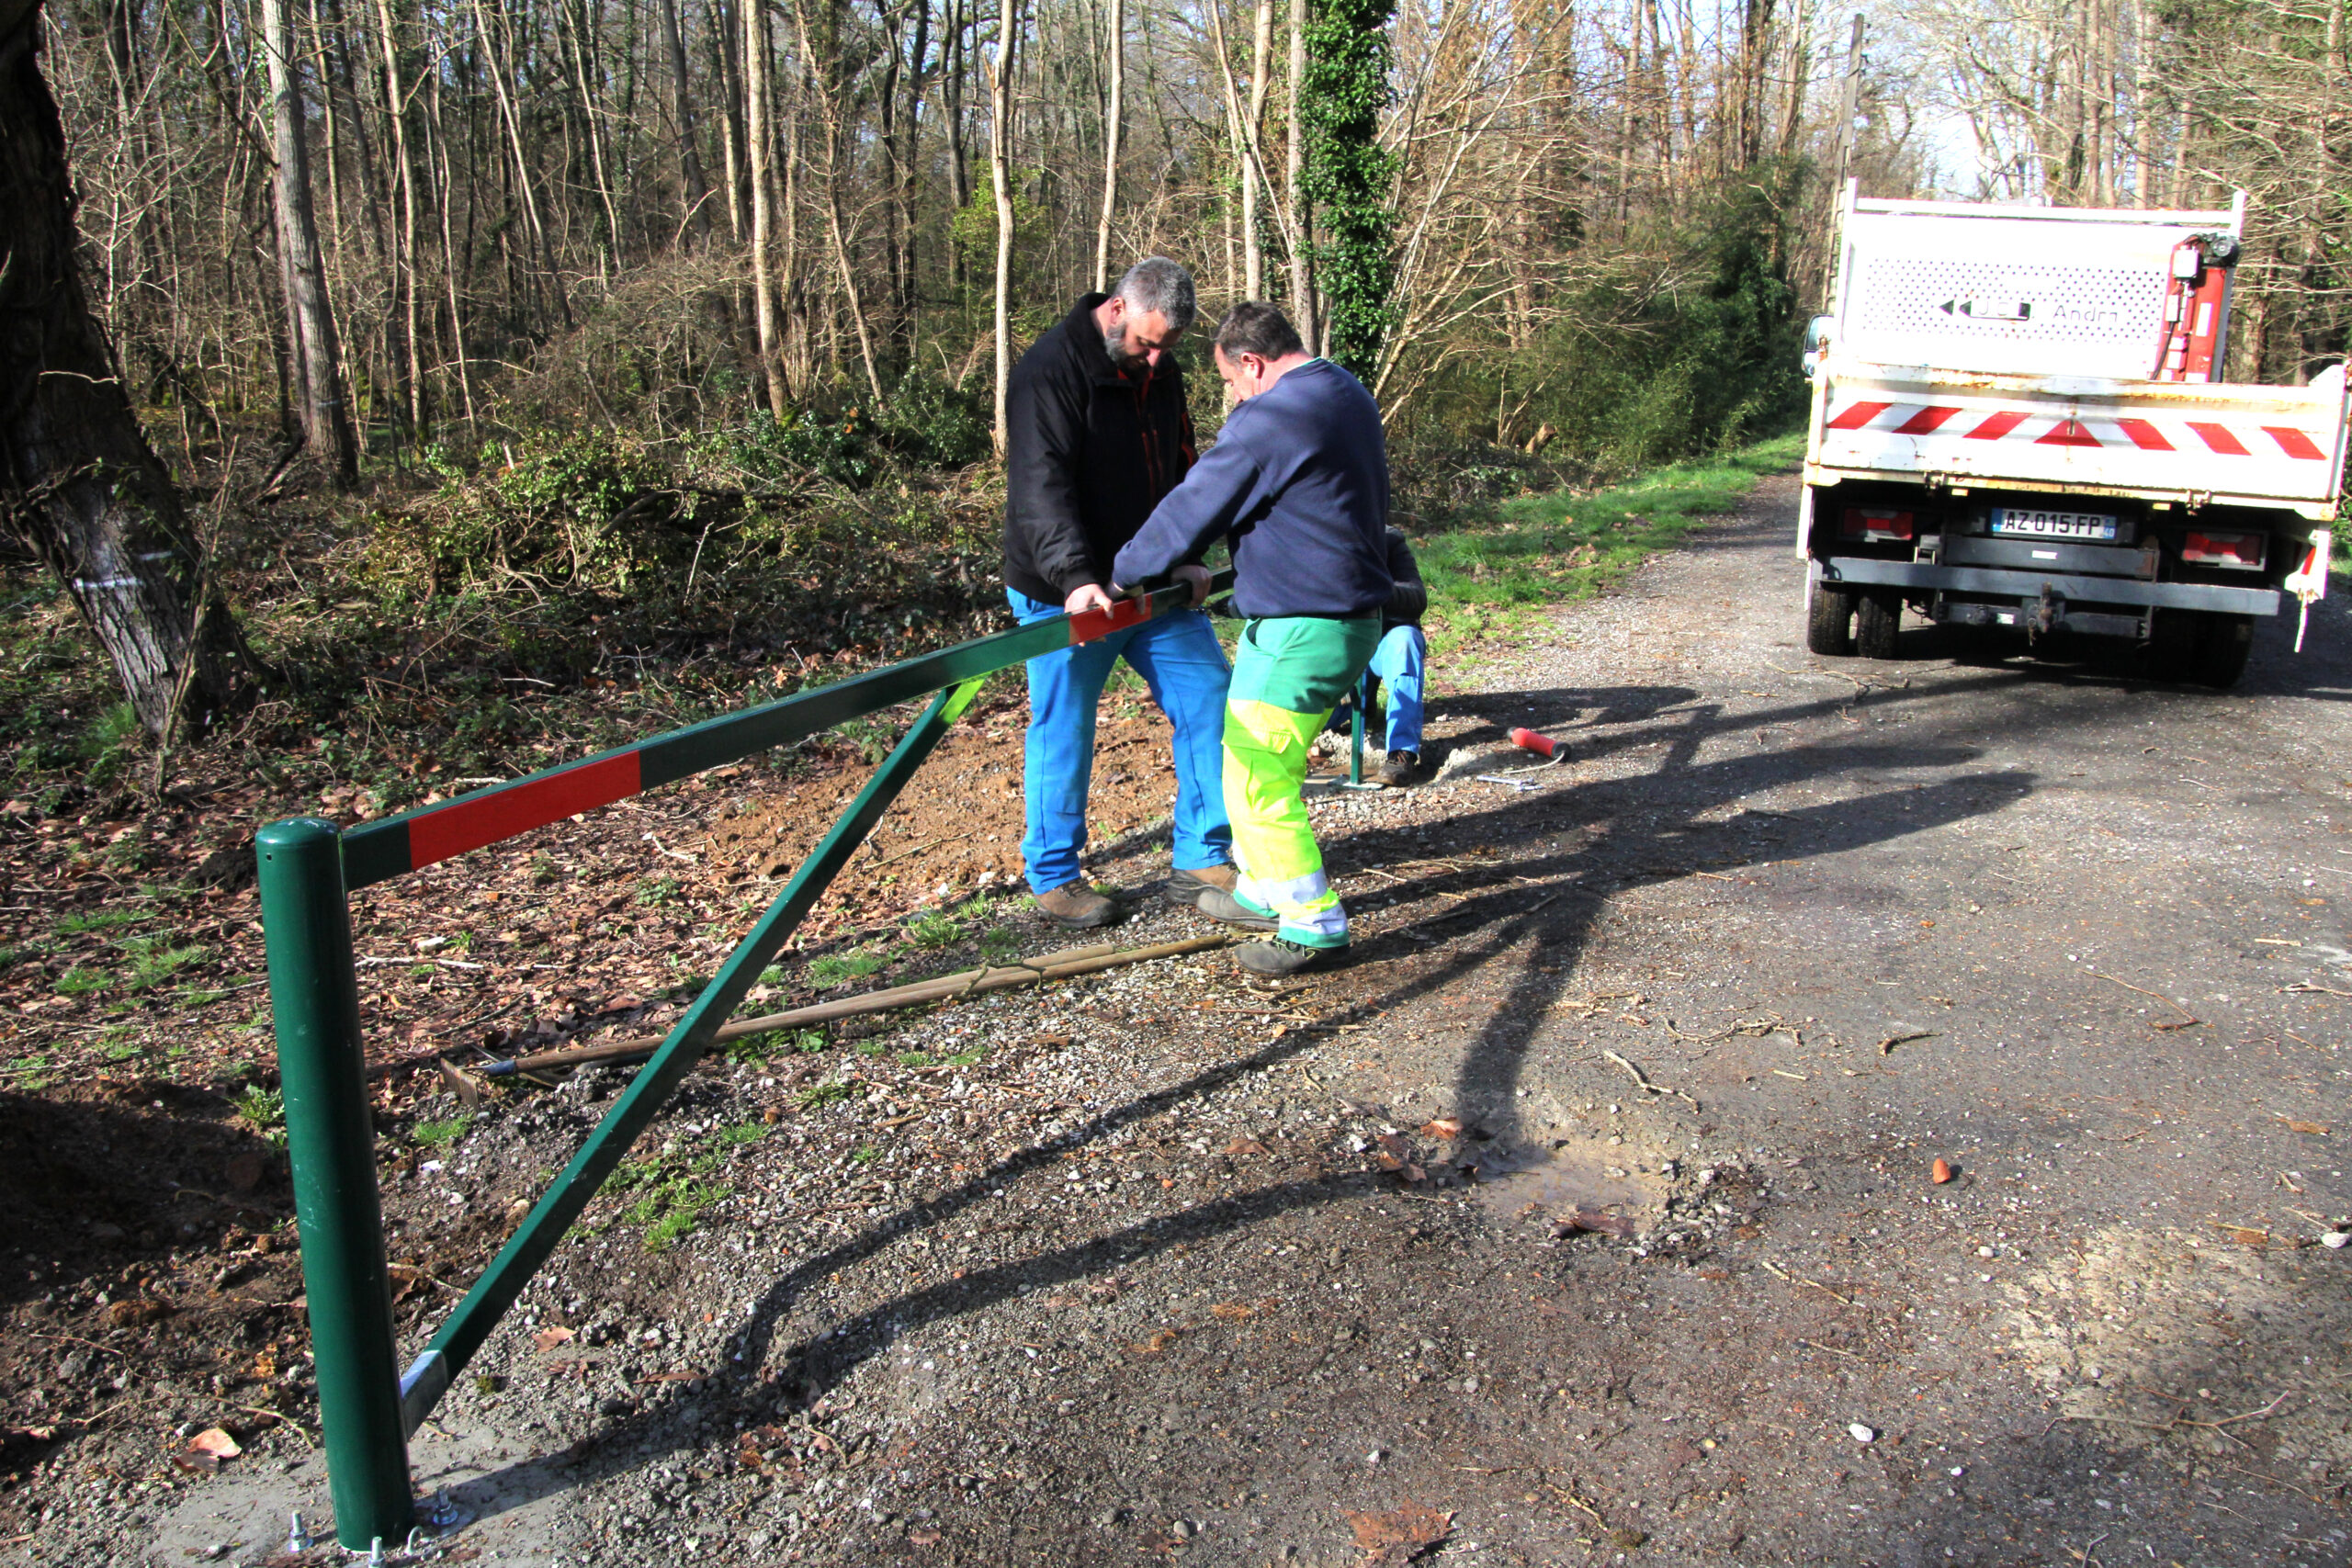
1537,551
659,891
817,1094
999,943
914,1059
103,920
440,1134
840,968
742,1133
963,1059
80,982
867,1154
934,929
155,959
264,1110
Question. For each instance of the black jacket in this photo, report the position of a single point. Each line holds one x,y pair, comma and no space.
1089,453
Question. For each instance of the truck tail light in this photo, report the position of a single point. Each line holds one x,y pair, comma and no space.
1876,526
2223,549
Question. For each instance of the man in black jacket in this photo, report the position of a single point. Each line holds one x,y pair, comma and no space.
1098,432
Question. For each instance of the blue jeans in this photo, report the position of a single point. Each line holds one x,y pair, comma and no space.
1179,658
1397,663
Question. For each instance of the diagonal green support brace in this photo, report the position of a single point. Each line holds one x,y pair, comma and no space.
543,1229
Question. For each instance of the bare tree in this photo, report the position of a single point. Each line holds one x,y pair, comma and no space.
1114,116
81,488
1007,40
322,415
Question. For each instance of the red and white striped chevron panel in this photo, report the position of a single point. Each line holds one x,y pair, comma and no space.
2164,434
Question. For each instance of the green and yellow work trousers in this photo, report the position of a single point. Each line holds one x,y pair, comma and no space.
1289,673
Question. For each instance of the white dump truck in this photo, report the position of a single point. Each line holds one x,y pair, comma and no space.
2018,425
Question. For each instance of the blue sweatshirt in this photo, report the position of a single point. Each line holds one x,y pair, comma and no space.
1299,479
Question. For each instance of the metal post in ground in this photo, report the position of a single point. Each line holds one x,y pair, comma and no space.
314,996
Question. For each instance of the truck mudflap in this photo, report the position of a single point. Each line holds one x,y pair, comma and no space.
2032,588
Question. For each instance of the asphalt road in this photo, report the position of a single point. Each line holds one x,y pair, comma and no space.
1721,989
1988,900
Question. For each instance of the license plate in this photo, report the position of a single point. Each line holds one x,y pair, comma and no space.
2017,523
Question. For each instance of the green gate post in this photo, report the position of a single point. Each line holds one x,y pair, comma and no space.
314,996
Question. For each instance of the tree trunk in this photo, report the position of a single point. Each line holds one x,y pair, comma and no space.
1008,34
320,412
1115,52
1302,239
698,187
1261,58
757,142
79,486
404,255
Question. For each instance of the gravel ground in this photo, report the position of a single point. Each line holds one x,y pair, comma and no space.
1591,1215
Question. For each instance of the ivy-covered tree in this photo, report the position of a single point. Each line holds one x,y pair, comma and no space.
1349,177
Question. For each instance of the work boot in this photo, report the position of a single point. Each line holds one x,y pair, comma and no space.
1076,907
1219,905
1185,886
1399,770
1279,957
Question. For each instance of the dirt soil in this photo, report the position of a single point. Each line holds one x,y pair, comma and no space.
957,826
1591,1215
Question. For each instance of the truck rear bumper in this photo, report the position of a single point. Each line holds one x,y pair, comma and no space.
2026,587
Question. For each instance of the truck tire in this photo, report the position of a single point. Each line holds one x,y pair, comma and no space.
1829,621
1878,620
2173,641
2221,650
2200,648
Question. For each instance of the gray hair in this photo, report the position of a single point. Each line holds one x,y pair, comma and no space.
1156,284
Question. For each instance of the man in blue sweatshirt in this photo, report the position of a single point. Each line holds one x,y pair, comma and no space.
1298,483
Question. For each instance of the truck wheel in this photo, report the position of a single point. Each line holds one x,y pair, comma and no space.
1877,619
1829,621
2173,641
2221,650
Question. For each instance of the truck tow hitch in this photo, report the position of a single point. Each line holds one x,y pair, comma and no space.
2048,611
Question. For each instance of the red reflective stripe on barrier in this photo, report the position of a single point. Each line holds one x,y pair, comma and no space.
2294,441
2218,438
2068,433
465,825
2000,425
1926,421
2144,436
1088,625
1858,415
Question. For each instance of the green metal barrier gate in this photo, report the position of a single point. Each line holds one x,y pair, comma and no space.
308,867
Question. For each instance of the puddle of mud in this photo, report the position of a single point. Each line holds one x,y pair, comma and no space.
1572,1172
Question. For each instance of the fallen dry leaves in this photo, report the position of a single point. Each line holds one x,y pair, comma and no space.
1398,1535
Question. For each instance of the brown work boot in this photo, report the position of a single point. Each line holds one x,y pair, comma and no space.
1076,907
1397,770
1219,905
1185,886
1279,958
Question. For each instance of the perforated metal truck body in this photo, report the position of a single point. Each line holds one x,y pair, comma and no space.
2015,425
